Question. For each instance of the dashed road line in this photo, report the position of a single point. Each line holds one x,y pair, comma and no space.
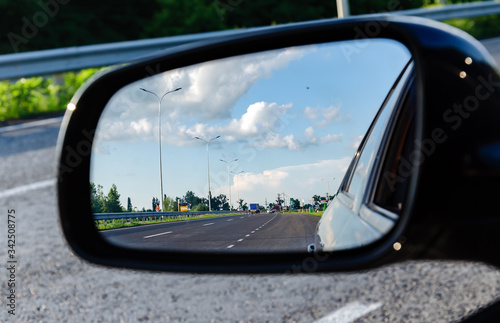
32,124
158,234
26,188
208,224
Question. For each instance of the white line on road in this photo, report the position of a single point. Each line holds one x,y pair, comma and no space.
30,124
230,220
158,234
247,235
240,240
349,313
230,246
26,188
208,224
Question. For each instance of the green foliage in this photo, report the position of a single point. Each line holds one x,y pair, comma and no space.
360,7
170,204
77,23
242,206
105,203
220,203
191,199
200,207
113,201
155,202
479,27
129,205
37,95
97,198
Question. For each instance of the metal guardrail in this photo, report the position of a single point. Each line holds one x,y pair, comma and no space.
145,215
454,11
75,58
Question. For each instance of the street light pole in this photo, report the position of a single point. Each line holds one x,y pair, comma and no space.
237,185
208,171
159,136
328,181
229,181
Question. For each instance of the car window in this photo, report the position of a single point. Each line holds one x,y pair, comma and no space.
372,147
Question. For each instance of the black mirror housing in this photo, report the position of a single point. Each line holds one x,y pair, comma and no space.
454,174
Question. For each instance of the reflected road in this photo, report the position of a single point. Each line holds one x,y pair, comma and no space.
245,232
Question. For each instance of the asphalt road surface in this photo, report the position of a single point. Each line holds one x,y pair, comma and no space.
238,233
54,285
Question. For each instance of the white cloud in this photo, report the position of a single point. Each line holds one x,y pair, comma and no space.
311,113
210,90
330,115
260,126
310,135
331,138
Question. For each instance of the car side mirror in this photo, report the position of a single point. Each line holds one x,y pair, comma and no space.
282,110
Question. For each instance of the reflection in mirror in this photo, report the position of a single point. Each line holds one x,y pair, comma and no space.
240,154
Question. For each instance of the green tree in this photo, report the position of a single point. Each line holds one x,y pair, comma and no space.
220,203
191,199
170,204
74,23
113,201
223,203
154,203
129,205
97,198
242,206
200,207
296,204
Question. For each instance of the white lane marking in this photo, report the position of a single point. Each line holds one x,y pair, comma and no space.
158,234
247,235
240,240
31,124
26,188
208,224
230,220
252,232
349,313
230,246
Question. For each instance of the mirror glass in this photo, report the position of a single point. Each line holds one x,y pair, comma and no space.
268,136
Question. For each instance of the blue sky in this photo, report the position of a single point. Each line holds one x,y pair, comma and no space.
291,117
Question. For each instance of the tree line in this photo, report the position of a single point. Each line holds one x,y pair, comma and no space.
110,202
35,24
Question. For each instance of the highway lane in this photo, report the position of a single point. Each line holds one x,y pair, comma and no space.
237,233
54,285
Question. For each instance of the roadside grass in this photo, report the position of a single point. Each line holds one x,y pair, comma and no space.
115,224
318,214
